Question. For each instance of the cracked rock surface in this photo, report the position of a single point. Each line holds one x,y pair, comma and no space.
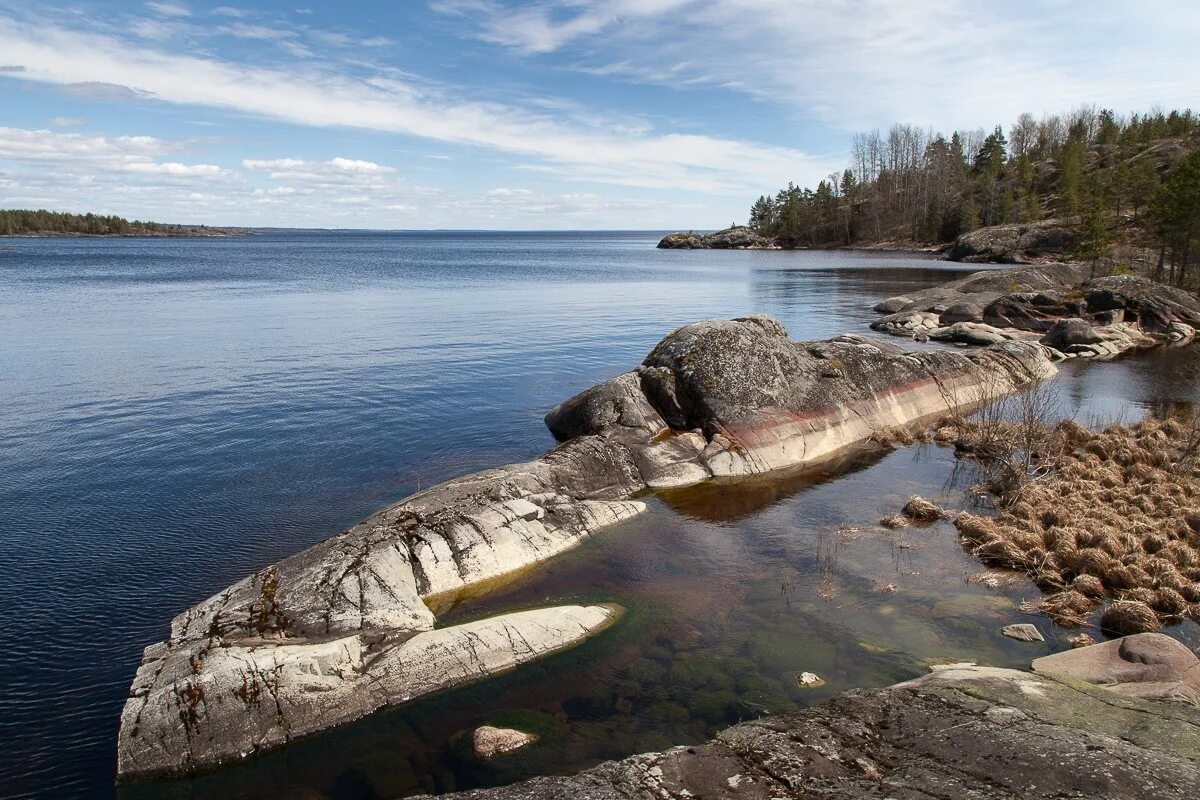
330,634
959,732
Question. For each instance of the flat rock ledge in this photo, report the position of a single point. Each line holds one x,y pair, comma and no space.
330,634
963,731
1054,304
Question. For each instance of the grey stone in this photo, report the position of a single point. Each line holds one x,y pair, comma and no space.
1014,243
1069,332
961,312
1023,632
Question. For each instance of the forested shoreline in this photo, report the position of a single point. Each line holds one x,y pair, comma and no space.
1131,180
23,222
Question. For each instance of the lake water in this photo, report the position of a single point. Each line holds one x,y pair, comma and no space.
179,413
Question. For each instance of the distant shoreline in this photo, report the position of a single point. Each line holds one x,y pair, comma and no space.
181,235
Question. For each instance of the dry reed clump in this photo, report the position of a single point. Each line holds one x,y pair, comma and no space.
1094,518
1124,617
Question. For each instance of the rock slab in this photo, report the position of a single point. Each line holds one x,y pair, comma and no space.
960,732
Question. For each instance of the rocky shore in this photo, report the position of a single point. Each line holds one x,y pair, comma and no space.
1115,720
1055,304
331,634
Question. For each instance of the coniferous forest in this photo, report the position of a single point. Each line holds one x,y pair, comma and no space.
1132,179
21,222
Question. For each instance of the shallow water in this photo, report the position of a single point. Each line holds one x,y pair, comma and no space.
180,413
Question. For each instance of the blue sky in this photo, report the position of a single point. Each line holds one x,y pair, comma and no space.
552,114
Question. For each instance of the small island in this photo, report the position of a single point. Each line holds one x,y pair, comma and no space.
24,222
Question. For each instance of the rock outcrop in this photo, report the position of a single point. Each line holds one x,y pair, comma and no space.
961,731
345,627
1014,244
1056,303
739,237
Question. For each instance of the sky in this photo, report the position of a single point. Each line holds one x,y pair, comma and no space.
553,114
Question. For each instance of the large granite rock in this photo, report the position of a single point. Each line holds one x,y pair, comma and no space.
330,634
959,732
1014,244
740,398
738,237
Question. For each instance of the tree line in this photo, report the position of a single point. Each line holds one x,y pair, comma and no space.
19,222
1091,167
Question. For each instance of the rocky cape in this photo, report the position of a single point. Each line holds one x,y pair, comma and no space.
1017,243
1114,720
1055,304
333,633
739,237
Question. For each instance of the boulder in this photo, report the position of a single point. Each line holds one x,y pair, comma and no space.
893,304
1031,311
962,731
1023,632
1014,243
1149,665
1068,333
488,742
908,323
961,312
1153,306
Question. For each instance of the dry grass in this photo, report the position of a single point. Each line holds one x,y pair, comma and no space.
1109,517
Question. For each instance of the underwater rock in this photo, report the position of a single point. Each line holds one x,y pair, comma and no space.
809,680
488,742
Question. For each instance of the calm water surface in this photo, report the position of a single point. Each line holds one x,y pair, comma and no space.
180,413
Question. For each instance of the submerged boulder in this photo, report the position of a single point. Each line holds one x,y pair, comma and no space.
488,742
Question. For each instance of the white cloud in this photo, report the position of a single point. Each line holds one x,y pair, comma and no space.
79,151
589,150
168,9
68,122
858,63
